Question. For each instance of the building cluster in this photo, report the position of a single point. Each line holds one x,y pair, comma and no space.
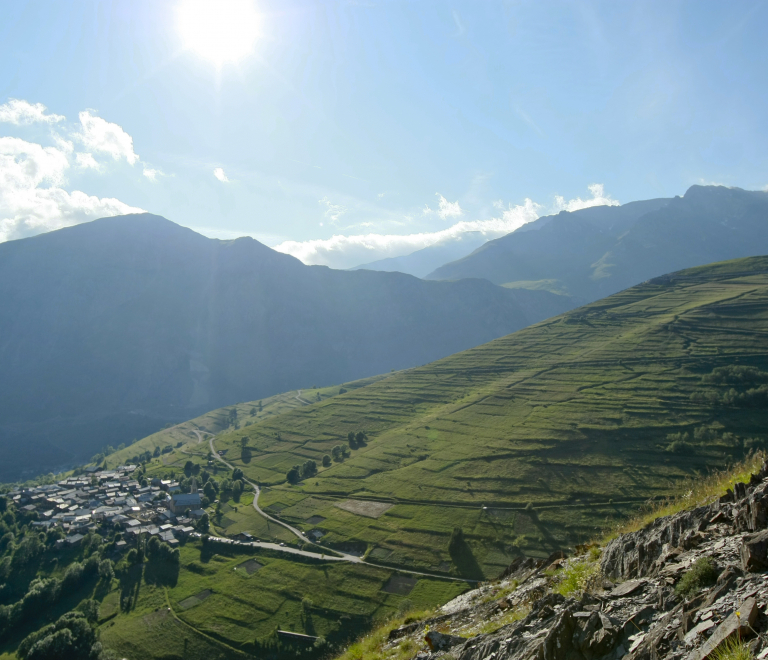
112,498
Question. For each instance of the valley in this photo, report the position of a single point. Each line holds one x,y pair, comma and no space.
534,442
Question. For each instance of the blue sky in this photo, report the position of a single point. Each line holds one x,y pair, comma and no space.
356,130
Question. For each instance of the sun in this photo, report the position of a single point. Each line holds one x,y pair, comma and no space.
218,30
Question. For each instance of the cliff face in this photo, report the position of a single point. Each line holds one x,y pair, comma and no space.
679,588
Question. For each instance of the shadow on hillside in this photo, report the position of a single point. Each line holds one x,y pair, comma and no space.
464,560
161,573
130,585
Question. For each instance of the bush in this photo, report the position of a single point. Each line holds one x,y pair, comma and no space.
703,573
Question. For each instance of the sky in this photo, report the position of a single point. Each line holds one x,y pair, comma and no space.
343,132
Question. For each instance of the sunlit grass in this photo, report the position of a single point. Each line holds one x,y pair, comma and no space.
692,493
372,646
732,649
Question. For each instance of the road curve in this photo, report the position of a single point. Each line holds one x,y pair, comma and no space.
300,535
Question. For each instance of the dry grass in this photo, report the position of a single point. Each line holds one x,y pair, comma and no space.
693,492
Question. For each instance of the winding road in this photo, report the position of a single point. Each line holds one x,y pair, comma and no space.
342,556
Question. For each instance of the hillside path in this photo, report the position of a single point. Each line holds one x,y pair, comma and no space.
299,534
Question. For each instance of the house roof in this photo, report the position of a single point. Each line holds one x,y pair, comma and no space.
186,499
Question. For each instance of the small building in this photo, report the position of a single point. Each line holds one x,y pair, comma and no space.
182,502
74,539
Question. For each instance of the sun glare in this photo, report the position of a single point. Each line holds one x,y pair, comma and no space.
219,30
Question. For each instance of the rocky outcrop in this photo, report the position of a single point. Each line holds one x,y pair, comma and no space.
634,612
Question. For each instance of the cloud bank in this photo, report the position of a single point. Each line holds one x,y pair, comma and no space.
342,251
19,112
32,176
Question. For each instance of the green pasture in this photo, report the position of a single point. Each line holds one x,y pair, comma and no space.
219,607
568,418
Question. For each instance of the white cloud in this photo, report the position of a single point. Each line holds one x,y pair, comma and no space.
32,199
219,174
101,136
152,174
333,211
599,198
342,251
445,209
19,112
86,161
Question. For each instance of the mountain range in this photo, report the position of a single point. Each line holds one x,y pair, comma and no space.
114,328
422,262
594,252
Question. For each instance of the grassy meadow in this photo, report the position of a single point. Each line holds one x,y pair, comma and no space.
530,442
225,601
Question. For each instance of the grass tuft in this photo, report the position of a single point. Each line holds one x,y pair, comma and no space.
732,649
578,576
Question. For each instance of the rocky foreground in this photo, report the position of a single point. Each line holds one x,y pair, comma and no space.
624,601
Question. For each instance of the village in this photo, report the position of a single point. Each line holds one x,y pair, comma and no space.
102,499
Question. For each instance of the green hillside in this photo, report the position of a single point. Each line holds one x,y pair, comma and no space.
526,444
554,428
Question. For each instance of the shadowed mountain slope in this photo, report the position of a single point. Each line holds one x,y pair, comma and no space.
595,252
112,328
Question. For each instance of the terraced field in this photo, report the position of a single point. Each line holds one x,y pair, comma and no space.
532,441
222,601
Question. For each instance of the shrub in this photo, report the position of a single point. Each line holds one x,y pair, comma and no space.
703,573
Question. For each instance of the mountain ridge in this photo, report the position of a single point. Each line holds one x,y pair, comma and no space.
139,318
589,258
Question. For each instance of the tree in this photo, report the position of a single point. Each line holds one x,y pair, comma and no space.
337,453
351,440
156,453
237,489
360,437
71,637
293,475
204,524
260,407
309,469
326,460
244,441
188,467
237,474
209,490
106,570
